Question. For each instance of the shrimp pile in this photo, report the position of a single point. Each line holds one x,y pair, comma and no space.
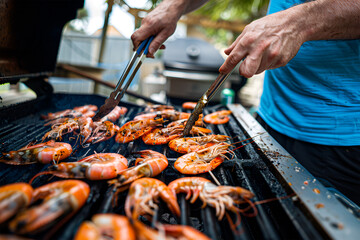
29,211
89,131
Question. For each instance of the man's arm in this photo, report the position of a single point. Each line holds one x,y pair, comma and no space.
272,41
161,22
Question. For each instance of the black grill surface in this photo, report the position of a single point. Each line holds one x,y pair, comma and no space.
280,219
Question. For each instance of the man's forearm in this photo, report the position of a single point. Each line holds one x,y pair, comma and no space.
328,19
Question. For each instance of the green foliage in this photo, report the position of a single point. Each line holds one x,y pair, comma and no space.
246,10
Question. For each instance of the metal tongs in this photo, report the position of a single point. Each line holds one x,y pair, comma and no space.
115,97
203,101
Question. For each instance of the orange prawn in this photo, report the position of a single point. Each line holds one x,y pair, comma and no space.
39,153
143,194
162,136
189,105
156,108
168,114
203,160
86,128
83,124
98,166
14,197
192,144
104,226
86,108
58,130
114,114
103,131
220,197
72,113
150,164
218,117
168,232
59,199
182,231
132,130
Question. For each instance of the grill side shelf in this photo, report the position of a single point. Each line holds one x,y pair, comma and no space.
333,218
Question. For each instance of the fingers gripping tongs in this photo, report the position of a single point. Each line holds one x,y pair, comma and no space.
115,97
203,101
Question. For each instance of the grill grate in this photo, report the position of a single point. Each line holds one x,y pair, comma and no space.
282,219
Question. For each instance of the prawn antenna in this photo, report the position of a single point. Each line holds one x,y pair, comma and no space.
235,225
215,179
242,145
39,174
274,199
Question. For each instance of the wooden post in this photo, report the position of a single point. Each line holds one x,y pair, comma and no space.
104,30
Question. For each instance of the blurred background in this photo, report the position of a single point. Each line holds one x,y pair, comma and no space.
97,43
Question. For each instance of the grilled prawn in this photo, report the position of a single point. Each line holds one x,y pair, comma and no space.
192,144
99,166
39,153
219,197
143,195
202,161
106,226
59,199
14,197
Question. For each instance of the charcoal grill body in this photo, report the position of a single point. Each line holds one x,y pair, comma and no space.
262,166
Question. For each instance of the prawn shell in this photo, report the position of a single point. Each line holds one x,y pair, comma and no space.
186,166
103,225
13,197
218,117
105,169
156,137
39,153
138,195
60,199
189,105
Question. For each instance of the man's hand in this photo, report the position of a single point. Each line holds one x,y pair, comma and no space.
161,22
272,41
266,43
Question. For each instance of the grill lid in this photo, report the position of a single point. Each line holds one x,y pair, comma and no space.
191,54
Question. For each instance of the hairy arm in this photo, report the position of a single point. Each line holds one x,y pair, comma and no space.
161,22
272,41
331,19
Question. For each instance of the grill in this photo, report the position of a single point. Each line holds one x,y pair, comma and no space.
263,167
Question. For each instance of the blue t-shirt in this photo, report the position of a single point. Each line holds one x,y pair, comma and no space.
316,96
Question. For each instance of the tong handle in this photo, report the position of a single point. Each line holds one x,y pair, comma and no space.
145,43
